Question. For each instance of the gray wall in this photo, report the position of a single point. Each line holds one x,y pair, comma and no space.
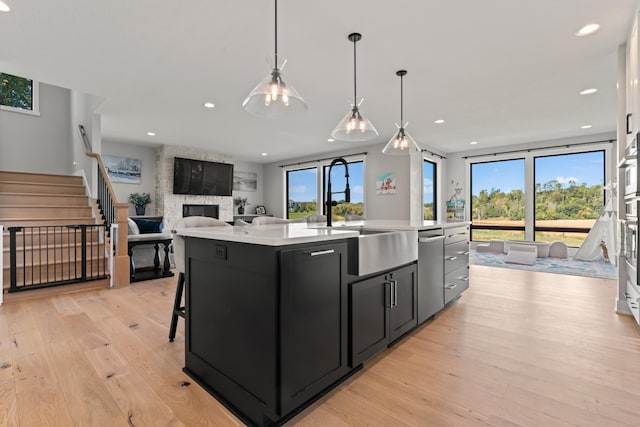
42,143
147,157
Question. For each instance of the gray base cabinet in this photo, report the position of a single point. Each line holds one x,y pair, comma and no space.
456,262
382,309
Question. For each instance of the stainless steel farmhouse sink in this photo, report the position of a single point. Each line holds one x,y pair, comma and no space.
377,250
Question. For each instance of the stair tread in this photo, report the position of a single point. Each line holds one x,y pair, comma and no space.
13,193
58,184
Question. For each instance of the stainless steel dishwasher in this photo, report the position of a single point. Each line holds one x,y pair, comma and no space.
430,273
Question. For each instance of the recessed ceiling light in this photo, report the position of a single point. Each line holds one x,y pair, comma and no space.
588,91
586,126
587,29
208,105
4,7
438,122
265,154
473,142
151,133
330,140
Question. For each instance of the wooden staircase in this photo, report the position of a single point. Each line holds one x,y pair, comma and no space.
47,253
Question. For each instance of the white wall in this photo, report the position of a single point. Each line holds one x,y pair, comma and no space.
31,143
254,198
147,157
393,206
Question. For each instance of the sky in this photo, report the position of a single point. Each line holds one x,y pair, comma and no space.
509,175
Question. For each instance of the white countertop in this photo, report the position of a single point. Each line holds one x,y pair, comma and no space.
300,232
271,234
391,224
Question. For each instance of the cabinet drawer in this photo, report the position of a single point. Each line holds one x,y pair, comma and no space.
455,283
455,256
456,234
633,300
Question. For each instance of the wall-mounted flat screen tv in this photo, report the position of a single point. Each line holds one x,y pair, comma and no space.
203,178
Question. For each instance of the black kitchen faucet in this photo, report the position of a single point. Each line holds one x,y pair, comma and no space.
347,192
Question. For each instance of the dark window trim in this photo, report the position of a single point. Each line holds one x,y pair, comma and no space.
435,189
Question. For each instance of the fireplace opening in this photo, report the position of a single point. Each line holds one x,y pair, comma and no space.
200,210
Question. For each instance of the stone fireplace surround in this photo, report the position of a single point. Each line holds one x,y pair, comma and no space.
169,205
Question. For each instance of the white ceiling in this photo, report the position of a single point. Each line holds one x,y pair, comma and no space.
500,72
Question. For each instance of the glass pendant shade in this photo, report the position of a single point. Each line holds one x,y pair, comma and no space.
400,144
272,97
354,126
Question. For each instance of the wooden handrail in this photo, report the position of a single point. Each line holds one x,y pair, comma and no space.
114,211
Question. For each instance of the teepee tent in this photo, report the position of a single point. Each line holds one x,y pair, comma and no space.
603,231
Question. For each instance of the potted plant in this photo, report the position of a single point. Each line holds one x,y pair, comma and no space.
140,201
240,202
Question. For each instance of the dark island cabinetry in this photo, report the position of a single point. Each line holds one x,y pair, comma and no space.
383,308
266,326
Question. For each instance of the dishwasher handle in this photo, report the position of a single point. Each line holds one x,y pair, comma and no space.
430,239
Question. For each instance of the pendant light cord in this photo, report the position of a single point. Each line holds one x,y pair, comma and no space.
355,97
275,56
401,102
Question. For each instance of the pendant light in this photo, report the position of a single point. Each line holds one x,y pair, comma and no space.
273,98
354,126
401,144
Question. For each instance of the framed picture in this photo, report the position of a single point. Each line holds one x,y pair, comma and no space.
245,181
386,183
122,169
260,210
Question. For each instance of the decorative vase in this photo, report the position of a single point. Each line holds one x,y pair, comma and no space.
140,210
240,210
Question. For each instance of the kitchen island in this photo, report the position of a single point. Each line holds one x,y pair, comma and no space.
275,319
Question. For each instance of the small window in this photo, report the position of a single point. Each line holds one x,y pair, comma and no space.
18,94
429,176
302,193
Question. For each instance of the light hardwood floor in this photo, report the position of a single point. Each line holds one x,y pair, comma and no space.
518,349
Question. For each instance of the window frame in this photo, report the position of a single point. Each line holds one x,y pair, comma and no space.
319,166
537,228
470,198
436,182
286,185
529,154
35,99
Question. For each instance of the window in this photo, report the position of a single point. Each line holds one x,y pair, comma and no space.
306,189
338,183
19,94
498,200
429,193
302,192
568,195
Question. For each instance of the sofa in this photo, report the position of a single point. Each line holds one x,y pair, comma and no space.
147,246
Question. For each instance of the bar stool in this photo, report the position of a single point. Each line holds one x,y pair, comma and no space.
179,255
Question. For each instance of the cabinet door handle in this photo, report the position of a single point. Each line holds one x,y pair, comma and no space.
449,286
451,258
317,253
462,252
388,301
464,279
395,293
629,123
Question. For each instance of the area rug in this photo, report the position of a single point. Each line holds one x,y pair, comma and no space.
569,266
